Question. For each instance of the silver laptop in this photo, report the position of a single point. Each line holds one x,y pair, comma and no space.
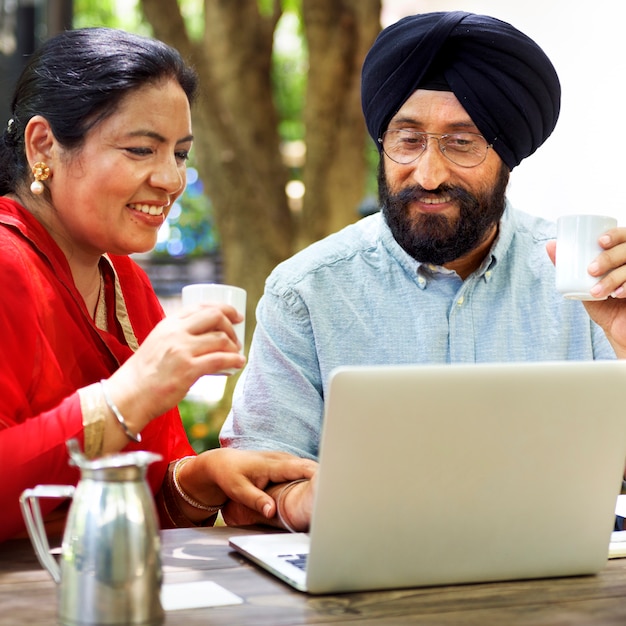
434,475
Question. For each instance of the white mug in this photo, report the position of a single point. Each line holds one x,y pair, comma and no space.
576,247
208,293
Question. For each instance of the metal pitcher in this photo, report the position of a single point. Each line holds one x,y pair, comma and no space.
110,566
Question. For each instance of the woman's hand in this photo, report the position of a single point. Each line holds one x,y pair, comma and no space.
179,350
241,477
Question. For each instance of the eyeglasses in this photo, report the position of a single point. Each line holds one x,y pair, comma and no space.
463,149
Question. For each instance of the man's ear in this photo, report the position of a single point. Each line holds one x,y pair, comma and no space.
39,141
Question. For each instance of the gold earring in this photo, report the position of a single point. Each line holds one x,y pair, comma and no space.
41,172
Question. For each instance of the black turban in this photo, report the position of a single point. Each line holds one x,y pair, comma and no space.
501,77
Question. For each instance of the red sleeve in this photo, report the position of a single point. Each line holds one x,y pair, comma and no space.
34,452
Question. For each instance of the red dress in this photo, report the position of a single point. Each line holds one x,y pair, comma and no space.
49,348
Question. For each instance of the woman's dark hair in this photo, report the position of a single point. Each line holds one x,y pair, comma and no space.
77,79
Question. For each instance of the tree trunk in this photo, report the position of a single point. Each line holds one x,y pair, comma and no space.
339,34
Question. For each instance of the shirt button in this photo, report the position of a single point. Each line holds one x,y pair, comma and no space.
488,274
461,300
421,281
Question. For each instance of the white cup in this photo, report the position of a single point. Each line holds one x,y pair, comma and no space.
576,247
209,293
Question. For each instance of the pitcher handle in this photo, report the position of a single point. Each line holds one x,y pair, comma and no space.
31,512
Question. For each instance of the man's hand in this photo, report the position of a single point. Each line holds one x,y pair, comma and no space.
609,314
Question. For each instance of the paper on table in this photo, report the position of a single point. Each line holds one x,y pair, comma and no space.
617,547
620,506
194,595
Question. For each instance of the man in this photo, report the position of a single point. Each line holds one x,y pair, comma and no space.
448,271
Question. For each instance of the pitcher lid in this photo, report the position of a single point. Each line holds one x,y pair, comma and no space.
136,458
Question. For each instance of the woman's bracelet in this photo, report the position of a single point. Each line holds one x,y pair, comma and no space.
184,495
279,503
117,413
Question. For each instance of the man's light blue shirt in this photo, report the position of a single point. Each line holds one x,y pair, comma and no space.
357,298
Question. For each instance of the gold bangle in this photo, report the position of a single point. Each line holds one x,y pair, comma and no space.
185,496
279,501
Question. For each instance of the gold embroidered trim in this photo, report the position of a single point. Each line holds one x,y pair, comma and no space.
101,308
121,312
94,409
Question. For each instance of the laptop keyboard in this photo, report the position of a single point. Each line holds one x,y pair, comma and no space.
299,560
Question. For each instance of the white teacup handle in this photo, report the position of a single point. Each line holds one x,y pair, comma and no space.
35,526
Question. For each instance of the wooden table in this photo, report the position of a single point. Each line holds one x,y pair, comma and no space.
28,595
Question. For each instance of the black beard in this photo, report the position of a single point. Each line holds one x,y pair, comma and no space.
434,238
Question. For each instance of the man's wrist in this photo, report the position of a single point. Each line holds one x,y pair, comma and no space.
285,514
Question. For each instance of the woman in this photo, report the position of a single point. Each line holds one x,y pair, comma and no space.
91,162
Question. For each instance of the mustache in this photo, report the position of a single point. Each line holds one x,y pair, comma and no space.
415,193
